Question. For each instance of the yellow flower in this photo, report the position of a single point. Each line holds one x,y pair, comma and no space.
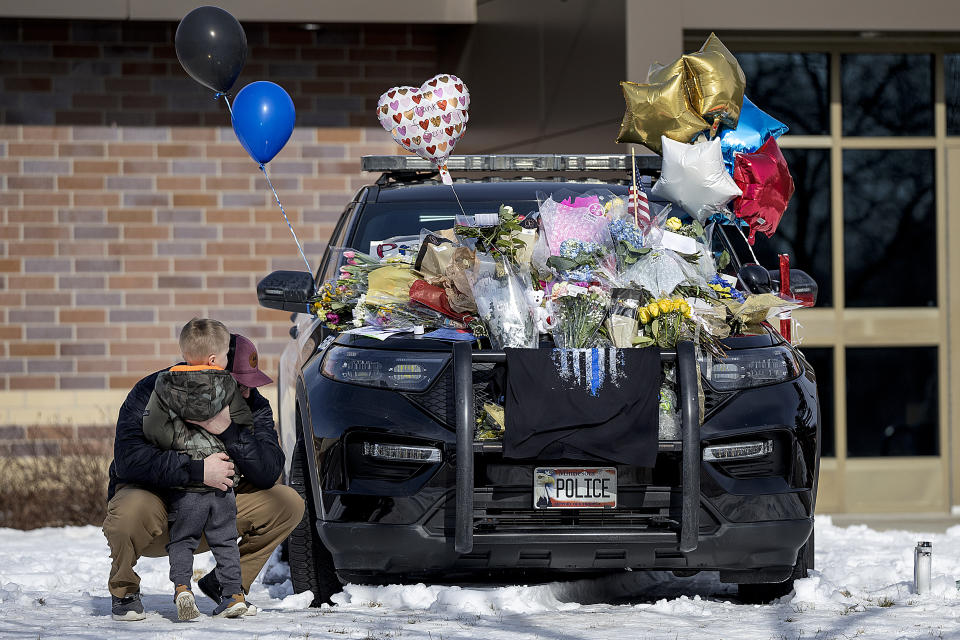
674,223
653,309
665,305
644,316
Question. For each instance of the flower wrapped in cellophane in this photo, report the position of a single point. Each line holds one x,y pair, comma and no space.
501,296
575,227
577,313
336,299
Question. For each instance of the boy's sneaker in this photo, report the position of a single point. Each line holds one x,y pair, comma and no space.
211,588
232,607
128,608
186,604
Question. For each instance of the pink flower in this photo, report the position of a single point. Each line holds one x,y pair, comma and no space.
334,318
351,261
349,254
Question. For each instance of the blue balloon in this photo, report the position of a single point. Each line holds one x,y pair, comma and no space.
752,130
263,118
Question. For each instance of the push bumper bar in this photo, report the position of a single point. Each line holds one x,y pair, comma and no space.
685,356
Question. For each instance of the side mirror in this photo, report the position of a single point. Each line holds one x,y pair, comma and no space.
286,290
802,287
755,279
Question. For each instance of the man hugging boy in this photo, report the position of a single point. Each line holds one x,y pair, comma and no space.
185,395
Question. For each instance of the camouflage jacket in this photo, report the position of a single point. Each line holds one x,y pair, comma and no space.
192,393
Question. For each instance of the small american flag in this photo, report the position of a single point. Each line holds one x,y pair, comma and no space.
639,206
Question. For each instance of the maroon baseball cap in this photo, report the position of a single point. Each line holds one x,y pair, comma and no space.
243,362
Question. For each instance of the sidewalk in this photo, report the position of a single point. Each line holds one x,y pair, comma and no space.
921,522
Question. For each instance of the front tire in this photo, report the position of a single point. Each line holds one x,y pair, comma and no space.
311,565
765,592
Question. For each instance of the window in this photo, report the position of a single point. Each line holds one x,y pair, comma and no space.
805,108
889,94
865,169
889,228
885,423
951,69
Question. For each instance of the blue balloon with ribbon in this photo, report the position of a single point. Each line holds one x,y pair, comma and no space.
752,130
263,117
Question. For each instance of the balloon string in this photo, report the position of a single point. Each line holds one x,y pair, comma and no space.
458,200
290,226
226,99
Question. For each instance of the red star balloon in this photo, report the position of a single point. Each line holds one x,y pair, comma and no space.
767,186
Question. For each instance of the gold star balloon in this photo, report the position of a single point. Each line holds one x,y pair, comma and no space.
663,72
658,109
715,82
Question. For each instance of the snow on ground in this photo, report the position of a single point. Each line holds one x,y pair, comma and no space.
52,585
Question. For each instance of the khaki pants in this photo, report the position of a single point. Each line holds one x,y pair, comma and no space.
136,526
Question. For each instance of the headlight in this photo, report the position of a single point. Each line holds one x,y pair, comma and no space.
401,370
746,368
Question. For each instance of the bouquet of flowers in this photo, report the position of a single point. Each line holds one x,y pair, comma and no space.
335,301
506,237
576,233
578,260
578,312
628,240
401,316
663,320
501,299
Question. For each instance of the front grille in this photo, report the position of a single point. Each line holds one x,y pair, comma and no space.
439,400
518,520
712,399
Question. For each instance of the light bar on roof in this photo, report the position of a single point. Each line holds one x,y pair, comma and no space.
514,162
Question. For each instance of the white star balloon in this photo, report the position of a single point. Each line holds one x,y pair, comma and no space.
693,177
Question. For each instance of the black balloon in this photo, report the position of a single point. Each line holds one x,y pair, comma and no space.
212,47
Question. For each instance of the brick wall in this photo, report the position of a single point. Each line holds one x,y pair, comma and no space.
128,206
80,72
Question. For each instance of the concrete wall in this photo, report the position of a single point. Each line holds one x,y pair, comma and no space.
544,77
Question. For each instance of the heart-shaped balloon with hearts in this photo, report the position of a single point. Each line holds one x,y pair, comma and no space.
430,120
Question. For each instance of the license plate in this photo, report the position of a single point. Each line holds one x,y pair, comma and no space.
574,488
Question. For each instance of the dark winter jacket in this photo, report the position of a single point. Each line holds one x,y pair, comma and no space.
256,453
185,394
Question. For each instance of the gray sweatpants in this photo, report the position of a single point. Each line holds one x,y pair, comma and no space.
213,514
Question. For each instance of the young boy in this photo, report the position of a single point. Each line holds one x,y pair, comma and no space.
183,395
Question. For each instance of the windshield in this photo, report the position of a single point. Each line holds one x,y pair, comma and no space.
381,221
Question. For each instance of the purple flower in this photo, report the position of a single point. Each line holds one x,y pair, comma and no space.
334,318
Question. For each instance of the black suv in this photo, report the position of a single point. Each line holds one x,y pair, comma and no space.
397,487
